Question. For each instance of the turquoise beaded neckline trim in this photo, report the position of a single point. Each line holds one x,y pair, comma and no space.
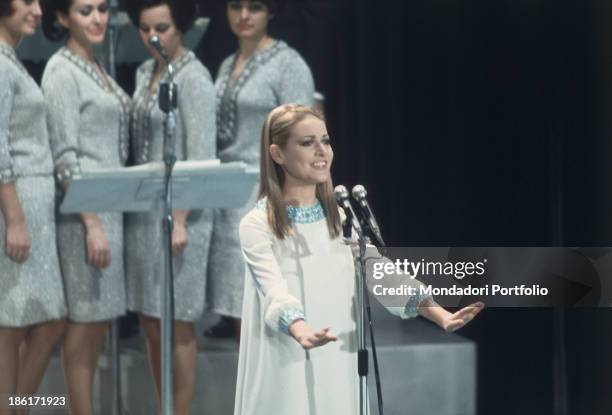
306,214
299,214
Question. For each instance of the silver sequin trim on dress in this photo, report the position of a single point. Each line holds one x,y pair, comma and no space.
115,89
9,52
141,119
228,110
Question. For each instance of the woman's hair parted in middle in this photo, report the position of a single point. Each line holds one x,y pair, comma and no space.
272,5
277,130
184,12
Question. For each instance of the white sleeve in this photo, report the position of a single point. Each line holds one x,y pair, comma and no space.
280,307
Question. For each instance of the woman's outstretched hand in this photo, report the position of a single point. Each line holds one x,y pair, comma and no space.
308,338
450,321
459,319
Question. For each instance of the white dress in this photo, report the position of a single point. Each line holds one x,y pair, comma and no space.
306,275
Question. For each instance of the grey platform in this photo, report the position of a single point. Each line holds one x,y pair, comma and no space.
424,371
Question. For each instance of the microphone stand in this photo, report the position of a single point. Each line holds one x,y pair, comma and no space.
362,352
113,341
168,99
363,314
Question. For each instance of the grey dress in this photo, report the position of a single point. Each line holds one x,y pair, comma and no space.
195,140
272,77
89,124
32,292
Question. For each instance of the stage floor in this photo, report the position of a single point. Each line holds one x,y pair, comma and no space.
424,371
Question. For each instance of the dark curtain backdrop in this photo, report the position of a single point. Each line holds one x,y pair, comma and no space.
472,122
475,122
487,123
478,122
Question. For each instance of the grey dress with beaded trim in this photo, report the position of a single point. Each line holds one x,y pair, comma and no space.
272,77
195,140
32,292
88,120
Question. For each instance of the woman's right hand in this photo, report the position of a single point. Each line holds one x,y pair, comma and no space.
308,338
17,241
98,250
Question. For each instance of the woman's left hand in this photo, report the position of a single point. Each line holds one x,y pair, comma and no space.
180,238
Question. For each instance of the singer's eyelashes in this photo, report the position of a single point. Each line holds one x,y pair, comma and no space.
310,140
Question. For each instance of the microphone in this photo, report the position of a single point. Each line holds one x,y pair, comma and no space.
156,44
359,194
342,197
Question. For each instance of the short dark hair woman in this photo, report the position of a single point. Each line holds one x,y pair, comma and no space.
183,13
195,140
88,116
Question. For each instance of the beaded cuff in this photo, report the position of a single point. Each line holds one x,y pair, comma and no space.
7,176
411,309
67,172
289,316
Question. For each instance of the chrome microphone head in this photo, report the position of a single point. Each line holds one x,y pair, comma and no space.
154,41
359,192
341,192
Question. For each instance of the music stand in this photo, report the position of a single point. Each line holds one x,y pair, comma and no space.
196,185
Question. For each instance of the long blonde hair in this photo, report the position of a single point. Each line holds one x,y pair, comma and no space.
277,130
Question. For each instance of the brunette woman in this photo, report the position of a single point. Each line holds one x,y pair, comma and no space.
88,117
32,304
195,140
